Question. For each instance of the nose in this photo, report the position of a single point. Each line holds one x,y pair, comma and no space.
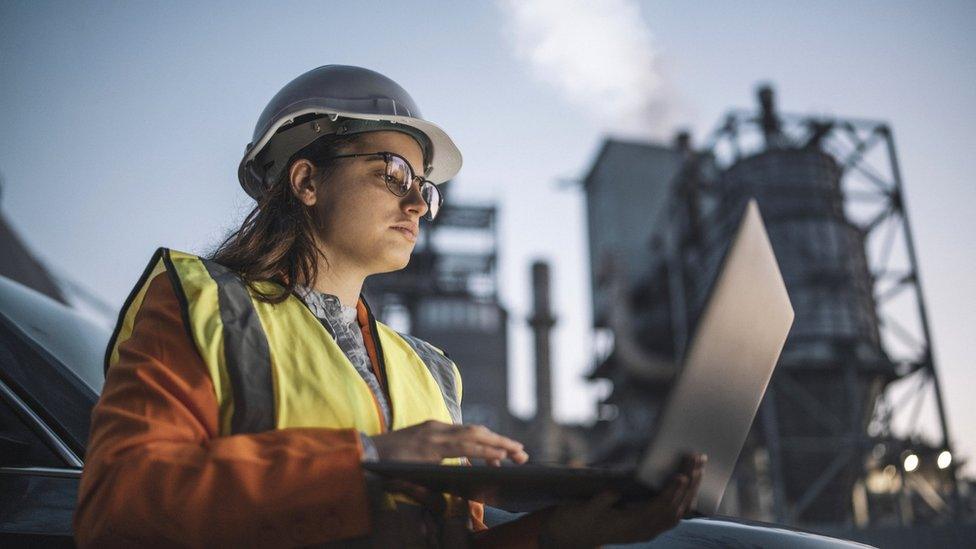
413,202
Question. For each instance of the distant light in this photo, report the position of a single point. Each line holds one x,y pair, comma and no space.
911,463
878,482
945,458
879,451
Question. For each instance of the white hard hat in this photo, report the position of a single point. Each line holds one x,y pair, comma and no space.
341,100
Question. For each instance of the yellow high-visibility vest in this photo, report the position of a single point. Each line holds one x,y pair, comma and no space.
274,366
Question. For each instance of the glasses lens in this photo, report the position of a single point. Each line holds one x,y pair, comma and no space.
432,197
399,175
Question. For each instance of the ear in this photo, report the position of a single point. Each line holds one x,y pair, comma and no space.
301,182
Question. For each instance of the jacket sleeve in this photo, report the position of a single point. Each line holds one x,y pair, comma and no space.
157,473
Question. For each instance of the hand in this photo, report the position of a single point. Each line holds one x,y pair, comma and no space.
598,521
433,441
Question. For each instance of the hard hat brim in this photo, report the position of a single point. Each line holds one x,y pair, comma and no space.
445,161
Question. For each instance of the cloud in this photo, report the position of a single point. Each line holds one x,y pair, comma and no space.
599,56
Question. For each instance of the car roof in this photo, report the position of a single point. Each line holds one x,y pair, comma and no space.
727,532
69,336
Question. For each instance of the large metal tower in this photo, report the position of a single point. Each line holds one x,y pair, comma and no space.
852,432
844,441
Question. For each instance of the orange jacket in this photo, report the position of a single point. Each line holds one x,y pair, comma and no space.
157,473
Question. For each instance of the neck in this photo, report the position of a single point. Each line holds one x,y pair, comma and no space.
341,282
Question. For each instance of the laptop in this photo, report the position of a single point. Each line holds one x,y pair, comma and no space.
710,407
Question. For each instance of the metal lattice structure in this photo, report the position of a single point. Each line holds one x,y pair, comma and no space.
833,426
853,431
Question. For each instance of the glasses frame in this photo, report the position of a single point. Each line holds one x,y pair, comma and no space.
422,183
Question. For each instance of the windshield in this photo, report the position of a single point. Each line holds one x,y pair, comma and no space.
71,338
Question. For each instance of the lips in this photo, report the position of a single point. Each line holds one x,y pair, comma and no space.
409,232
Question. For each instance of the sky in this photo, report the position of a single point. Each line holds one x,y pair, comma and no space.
123,124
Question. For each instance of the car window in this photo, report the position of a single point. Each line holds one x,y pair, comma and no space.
74,340
21,446
57,396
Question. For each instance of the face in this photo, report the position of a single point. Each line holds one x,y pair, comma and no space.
363,227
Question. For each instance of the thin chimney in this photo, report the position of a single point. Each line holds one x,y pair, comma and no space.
542,322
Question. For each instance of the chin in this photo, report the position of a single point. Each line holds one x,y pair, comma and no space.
395,263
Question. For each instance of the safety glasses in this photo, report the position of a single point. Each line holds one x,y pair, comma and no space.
399,178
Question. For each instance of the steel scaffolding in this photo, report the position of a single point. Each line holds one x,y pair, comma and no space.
837,420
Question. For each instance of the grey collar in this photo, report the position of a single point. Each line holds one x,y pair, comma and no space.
326,306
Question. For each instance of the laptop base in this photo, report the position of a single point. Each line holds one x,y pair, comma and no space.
516,488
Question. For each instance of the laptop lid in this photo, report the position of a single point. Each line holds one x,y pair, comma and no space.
729,362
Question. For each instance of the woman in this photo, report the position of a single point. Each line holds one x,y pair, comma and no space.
244,391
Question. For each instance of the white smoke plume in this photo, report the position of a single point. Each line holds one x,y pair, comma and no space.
599,55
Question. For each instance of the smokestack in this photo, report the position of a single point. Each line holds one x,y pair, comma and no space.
542,322
682,141
768,119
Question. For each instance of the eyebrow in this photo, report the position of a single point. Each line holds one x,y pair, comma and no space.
380,158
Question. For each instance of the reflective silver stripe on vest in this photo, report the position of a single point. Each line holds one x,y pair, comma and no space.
442,369
246,353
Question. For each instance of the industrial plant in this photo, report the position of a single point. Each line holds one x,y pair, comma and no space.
839,442
852,435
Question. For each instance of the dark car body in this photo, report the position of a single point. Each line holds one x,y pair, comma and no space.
50,377
51,360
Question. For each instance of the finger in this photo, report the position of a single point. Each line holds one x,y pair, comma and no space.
661,522
663,502
437,426
495,462
671,491
681,486
694,476
476,434
513,450
650,517
661,513
688,463
484,435
693,486
474,450
664,515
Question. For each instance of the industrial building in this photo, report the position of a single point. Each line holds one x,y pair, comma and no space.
825,450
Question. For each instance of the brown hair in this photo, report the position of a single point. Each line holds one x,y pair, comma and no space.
276,241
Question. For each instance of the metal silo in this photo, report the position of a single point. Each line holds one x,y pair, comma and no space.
821,254
837,442
824,439
832,365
